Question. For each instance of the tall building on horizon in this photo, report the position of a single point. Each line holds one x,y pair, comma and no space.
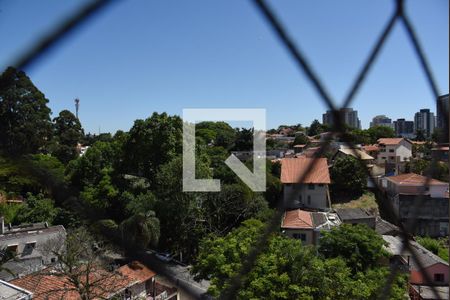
381,120
404,128
424,120
441,113
348,115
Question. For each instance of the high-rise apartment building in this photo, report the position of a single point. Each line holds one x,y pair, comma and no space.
442,116
382,120
404,128
348,115
424,120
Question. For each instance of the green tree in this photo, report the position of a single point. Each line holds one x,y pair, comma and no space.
348,176
244,139
420,135
221,133
140,230
380,131
301,139
360,246
283,270
315,128
67,134
37,209
25,124
152,143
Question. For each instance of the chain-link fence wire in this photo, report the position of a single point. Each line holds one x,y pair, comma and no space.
399,16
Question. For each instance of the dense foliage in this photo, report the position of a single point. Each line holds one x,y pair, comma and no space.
348,176
286,269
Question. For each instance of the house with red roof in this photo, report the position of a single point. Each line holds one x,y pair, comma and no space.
425,200
307,225
131,281
305,183
394,150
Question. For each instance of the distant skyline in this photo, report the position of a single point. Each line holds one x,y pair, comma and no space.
140,56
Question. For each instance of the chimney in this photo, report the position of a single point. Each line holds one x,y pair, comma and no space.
2,225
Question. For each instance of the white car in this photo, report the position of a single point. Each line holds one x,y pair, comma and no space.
165,256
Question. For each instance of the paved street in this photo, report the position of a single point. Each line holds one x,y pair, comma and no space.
177,275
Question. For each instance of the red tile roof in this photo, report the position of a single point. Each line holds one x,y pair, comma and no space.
136,271
293,170
371,148
390,141
414,179
297,219
48,286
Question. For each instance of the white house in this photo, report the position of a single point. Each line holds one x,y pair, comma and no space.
394,150
307,225
305,183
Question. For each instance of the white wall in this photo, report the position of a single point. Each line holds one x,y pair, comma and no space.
299,195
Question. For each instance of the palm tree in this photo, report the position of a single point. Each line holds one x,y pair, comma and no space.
141,230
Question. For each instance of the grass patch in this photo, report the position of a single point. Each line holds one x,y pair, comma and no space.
366,201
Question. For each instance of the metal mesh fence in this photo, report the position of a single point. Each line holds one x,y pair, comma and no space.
399,17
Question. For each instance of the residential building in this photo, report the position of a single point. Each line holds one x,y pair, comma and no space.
372,150
34,246
424,120
440,153
131,281
404,128
394,150
442,116
305,183
407,191
355,216
356,153
428,292
348,116
307,225
299,148
9,291
420,263
382,120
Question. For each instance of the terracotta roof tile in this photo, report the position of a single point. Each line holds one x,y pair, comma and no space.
136,271
293,170
390,141
297,219
46,286
415,179
371,148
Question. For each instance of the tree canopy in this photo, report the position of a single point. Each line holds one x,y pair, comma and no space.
25,124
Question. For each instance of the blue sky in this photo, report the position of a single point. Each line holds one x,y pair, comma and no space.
143,56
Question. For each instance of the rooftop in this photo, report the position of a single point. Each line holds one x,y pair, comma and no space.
371,148
293,170
356,153
353,213
11,292
49,286
426,292
390,141
302,219
414,179
395,246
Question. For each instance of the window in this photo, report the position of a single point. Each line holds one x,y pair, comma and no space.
309,199
300,198
300,236
321,184
391,150
13,248
439,277
311,186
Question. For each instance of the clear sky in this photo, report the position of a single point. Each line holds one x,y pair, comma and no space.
143,56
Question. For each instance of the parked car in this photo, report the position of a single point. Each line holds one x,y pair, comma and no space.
164,256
